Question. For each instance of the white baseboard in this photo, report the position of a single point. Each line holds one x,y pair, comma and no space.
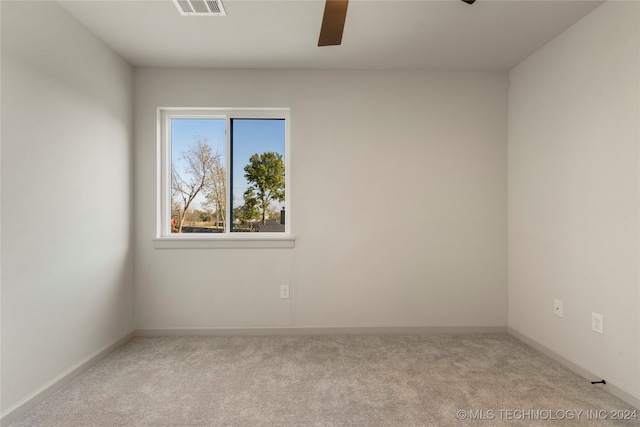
329,330
25,405
612,387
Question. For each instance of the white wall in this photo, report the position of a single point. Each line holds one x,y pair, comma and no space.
66,196
398,203
399,199
574,134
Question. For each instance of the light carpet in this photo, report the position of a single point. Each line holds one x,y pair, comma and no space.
336,380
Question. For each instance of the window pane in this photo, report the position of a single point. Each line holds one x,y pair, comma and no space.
198,176
258,190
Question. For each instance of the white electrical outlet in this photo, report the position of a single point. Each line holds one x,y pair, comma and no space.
557,307
597,323
284,291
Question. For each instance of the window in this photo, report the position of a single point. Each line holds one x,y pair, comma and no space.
223,176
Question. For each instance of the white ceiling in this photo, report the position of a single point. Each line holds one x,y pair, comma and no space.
392,34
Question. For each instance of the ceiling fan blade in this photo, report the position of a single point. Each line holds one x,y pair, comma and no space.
469,1
335,13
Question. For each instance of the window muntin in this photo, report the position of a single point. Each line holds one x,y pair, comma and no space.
204,154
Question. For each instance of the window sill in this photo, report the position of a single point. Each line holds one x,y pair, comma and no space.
227,242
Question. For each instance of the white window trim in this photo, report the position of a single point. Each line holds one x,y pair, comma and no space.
164,239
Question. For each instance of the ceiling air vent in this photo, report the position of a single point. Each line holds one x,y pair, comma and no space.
200,7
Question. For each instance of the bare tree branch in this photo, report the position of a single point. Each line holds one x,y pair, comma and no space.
203,171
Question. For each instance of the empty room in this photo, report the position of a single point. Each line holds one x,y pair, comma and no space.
328,213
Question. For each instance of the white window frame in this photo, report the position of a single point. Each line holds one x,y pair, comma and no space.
164,239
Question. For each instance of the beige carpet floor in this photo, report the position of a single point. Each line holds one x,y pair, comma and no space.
345,380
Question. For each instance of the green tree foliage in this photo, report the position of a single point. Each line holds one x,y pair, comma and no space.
265,173
249,210
205,216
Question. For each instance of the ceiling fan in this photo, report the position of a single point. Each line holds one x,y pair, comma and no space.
335,14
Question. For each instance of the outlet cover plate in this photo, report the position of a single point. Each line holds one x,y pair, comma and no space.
284,291
597,323
557,307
